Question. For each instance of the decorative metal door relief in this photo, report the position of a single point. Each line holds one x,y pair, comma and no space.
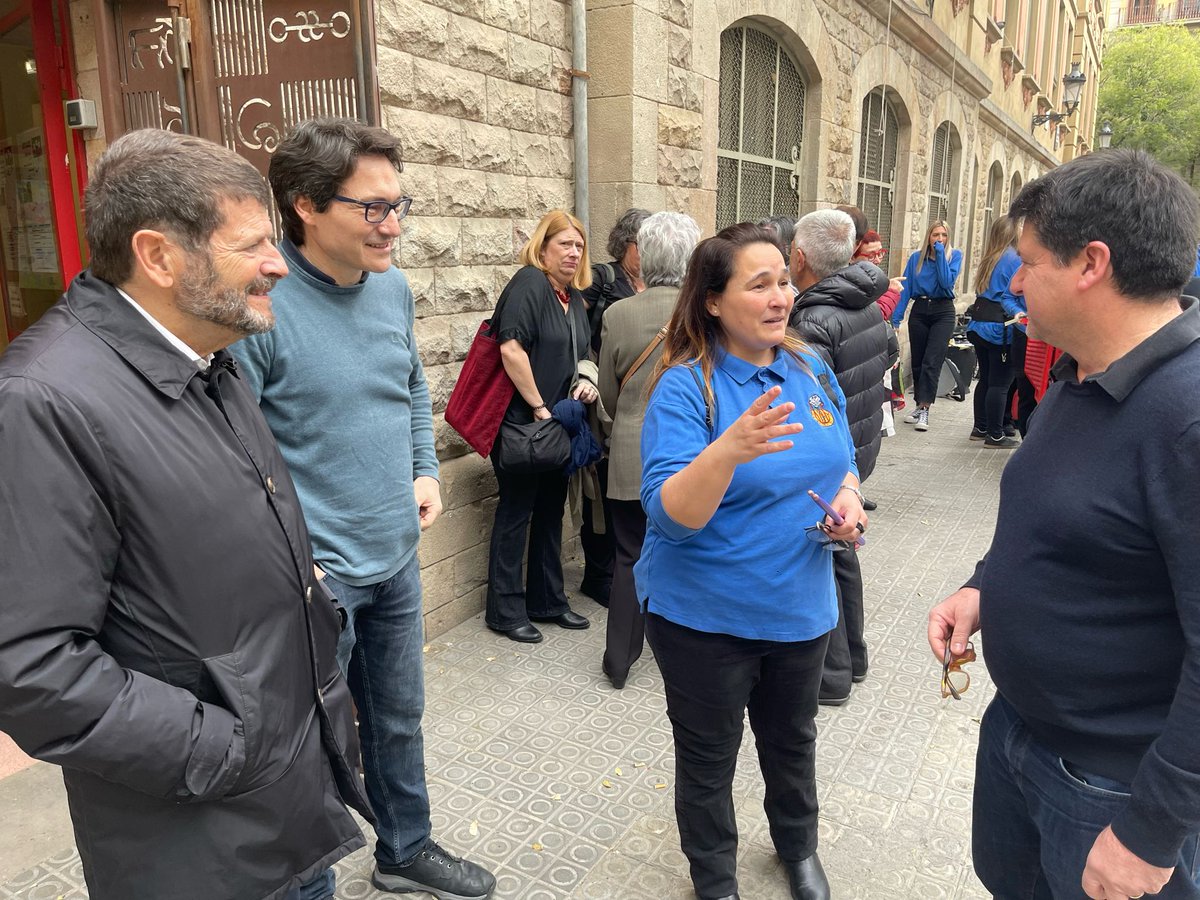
246,70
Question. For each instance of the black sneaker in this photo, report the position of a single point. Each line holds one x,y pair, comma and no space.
436,872
1004,443
978,434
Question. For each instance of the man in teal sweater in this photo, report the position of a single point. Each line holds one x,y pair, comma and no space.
341,385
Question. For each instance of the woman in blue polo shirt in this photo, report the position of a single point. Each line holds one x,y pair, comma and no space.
929,278
743,419
992,338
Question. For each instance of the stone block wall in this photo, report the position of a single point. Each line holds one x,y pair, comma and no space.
478,91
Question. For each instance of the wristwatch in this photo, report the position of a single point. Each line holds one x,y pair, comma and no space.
855,491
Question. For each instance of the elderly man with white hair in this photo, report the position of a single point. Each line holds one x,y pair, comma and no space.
630,347
836,314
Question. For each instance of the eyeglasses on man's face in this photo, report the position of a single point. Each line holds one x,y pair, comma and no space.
376,211
954,680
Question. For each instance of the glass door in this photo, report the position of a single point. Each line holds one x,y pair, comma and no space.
39,199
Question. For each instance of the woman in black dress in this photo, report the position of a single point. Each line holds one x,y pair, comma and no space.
538,314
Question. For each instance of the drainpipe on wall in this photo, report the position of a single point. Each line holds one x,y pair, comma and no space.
579,79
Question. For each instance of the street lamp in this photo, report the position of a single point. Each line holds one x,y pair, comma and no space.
1073,83
1105,138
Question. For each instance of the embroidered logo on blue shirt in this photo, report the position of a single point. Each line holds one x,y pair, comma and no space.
817,407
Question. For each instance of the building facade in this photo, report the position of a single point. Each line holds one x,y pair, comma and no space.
725,109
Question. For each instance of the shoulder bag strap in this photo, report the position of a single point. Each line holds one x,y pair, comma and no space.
637,363
709,417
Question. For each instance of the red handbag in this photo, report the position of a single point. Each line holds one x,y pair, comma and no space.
482,393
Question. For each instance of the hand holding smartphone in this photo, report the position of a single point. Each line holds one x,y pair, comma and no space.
834,516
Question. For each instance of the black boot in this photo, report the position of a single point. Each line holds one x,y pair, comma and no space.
807,879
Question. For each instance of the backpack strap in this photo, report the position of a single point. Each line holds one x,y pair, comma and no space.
637,363
710,418
827,387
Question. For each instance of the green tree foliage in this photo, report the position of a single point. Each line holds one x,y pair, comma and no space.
1150,92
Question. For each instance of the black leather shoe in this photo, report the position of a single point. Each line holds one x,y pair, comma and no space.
522,634
597,590
615,681
807,879
569,619
870,505
730,897
436,872
830,700
859,677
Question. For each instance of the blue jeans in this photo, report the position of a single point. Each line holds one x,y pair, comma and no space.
380,654
1037,816
320,888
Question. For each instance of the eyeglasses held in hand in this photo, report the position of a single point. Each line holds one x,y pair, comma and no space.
818,535
954,680
376,211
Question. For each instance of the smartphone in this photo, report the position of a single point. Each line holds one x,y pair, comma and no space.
834,516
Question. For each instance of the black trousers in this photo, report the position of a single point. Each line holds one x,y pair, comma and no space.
847,653
599,549
1022,391
995,378
711,681
930,325
533,502
626,624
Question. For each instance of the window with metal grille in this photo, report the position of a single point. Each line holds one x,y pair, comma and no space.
995,191
943,176
877,163
760,126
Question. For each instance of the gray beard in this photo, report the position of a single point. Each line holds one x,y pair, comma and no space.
201,296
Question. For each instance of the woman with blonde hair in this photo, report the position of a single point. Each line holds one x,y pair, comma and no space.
542,326
743,421
995,305
929,278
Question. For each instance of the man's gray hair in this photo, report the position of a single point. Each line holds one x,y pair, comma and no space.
826,238
168,182
665,243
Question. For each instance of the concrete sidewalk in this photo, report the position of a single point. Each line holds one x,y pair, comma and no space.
563,786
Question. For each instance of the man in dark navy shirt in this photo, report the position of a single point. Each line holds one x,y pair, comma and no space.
1088,770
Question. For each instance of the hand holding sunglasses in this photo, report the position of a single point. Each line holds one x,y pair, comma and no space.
954,680
819,533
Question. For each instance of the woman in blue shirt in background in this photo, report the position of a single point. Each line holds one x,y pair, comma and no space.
742,420
992,339
929,278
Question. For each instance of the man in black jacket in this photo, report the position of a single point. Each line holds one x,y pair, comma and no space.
162,636
837,316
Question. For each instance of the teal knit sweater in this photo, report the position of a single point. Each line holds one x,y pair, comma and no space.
341,385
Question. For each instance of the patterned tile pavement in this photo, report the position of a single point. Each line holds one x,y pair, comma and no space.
563,786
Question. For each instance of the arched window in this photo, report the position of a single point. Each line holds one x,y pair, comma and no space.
760,127
943,175
1015,188
995,198
877,163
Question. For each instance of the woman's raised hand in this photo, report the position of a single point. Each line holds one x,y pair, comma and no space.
755,431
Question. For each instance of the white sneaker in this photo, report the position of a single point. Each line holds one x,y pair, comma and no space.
922,423
912,417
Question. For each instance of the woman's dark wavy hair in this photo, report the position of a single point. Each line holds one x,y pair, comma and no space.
694,333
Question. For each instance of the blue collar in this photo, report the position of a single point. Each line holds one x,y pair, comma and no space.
741,371
293,254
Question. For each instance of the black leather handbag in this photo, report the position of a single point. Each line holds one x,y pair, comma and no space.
542,445
539,446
